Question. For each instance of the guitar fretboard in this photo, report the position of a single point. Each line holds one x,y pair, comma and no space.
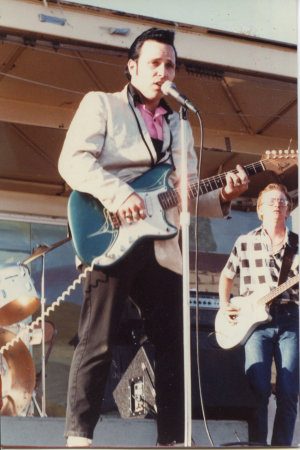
172,197
279,289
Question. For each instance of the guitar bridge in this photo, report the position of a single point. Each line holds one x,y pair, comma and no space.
114,220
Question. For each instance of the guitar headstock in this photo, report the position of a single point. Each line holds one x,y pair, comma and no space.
279,161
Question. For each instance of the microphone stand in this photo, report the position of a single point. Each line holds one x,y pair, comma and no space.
43,302
185,224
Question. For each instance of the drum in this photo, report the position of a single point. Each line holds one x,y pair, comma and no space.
17,375
18,297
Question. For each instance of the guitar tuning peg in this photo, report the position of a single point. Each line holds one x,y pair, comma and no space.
286,152
274,153
268,153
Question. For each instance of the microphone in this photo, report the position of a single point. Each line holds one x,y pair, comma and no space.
169,88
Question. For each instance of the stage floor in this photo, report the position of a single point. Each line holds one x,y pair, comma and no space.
35,432
114,432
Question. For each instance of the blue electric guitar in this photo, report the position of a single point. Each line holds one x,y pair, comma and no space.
99,234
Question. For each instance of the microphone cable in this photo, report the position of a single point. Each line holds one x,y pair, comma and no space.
197,281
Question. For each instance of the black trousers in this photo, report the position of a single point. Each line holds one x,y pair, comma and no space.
158,293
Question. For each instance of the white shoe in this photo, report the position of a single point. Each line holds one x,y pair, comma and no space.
78,441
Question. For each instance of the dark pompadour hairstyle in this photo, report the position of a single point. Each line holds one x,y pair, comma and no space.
152,34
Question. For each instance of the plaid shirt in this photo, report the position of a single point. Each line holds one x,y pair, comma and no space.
253,260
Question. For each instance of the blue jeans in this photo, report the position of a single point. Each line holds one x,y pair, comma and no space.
279,338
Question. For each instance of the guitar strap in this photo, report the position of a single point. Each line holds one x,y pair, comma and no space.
168,152
288,256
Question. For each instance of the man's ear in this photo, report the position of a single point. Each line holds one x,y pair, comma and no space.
132,64
259,212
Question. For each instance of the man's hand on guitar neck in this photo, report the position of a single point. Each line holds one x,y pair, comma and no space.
236,184
133,209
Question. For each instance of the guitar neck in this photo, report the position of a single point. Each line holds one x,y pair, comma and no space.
171,198
279,290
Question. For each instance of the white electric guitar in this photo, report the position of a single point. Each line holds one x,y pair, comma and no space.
253,311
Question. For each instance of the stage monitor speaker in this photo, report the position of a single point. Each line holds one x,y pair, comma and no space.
122,357
135,393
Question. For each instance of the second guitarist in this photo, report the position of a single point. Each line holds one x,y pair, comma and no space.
260,258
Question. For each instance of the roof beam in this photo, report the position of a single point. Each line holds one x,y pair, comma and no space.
234,103
98,84
31,203
197,45
242,142
280,113
35,114
35,148
9,63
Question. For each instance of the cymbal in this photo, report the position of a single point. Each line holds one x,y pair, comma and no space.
17,375
18,297
43,249
18,309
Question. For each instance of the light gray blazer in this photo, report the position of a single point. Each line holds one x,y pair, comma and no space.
104,150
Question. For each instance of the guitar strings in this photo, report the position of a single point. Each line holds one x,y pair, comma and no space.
171,198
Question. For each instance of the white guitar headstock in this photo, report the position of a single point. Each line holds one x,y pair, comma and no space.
279,161
282,154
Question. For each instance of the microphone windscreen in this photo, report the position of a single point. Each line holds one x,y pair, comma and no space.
166,86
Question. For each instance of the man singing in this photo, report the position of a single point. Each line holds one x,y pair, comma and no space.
113,139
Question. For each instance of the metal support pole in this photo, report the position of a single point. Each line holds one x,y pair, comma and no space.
43,302
185,224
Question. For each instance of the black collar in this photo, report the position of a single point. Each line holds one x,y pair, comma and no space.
137,99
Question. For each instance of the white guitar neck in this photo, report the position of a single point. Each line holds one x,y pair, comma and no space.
279,289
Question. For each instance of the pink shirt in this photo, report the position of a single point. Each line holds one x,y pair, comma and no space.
154,122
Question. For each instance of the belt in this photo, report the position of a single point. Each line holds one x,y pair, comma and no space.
284,303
